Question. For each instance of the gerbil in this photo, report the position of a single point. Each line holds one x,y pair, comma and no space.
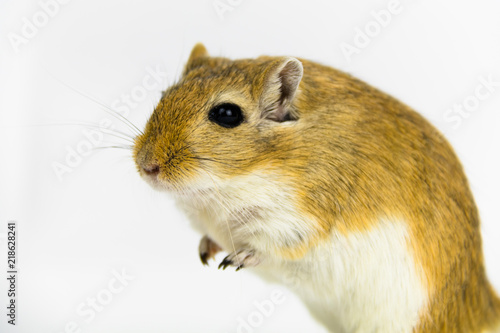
326,184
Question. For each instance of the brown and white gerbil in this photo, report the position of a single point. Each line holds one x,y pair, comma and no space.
326,184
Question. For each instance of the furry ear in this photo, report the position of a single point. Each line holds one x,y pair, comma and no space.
281,82
197,53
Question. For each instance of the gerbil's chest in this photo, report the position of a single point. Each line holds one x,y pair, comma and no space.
258,221
252,213
360,282
357,282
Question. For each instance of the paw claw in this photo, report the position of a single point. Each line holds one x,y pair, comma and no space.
207,249
240,259
226,262
204,258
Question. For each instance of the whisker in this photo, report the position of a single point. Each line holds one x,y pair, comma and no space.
117,147
106,131
121,137
83,124
239,215
106,108
96,126
227,223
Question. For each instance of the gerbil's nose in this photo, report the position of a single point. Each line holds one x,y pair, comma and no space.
147,163
151,170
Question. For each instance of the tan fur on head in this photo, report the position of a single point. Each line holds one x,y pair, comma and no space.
180,138
323,159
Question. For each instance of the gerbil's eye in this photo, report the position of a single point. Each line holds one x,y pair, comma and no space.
226,115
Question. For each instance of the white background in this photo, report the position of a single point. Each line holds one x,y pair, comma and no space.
102,217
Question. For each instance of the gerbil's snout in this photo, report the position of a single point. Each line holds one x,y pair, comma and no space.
163,166
146,163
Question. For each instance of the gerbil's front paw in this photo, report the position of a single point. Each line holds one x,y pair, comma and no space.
240,259
208,249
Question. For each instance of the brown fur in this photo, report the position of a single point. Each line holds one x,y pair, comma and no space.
383,158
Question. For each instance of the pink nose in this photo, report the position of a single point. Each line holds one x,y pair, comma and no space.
151,170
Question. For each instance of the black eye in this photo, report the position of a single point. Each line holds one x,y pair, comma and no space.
226,115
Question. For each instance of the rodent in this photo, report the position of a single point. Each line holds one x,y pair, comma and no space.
319,181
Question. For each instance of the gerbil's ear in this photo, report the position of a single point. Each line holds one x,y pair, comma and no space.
281,81
197,53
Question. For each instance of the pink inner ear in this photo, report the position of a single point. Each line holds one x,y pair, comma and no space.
280,114
289,77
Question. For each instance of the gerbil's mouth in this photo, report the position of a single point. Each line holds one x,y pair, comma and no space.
192,193
154,177
174,173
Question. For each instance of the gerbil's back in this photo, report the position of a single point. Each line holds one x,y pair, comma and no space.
377,158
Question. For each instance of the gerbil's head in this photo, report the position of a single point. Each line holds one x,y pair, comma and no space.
223,119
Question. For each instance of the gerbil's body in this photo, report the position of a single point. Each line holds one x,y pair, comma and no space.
327,185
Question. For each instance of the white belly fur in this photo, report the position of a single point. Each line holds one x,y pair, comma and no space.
365,282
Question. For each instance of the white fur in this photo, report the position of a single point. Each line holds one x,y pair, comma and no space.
362,282
249,212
